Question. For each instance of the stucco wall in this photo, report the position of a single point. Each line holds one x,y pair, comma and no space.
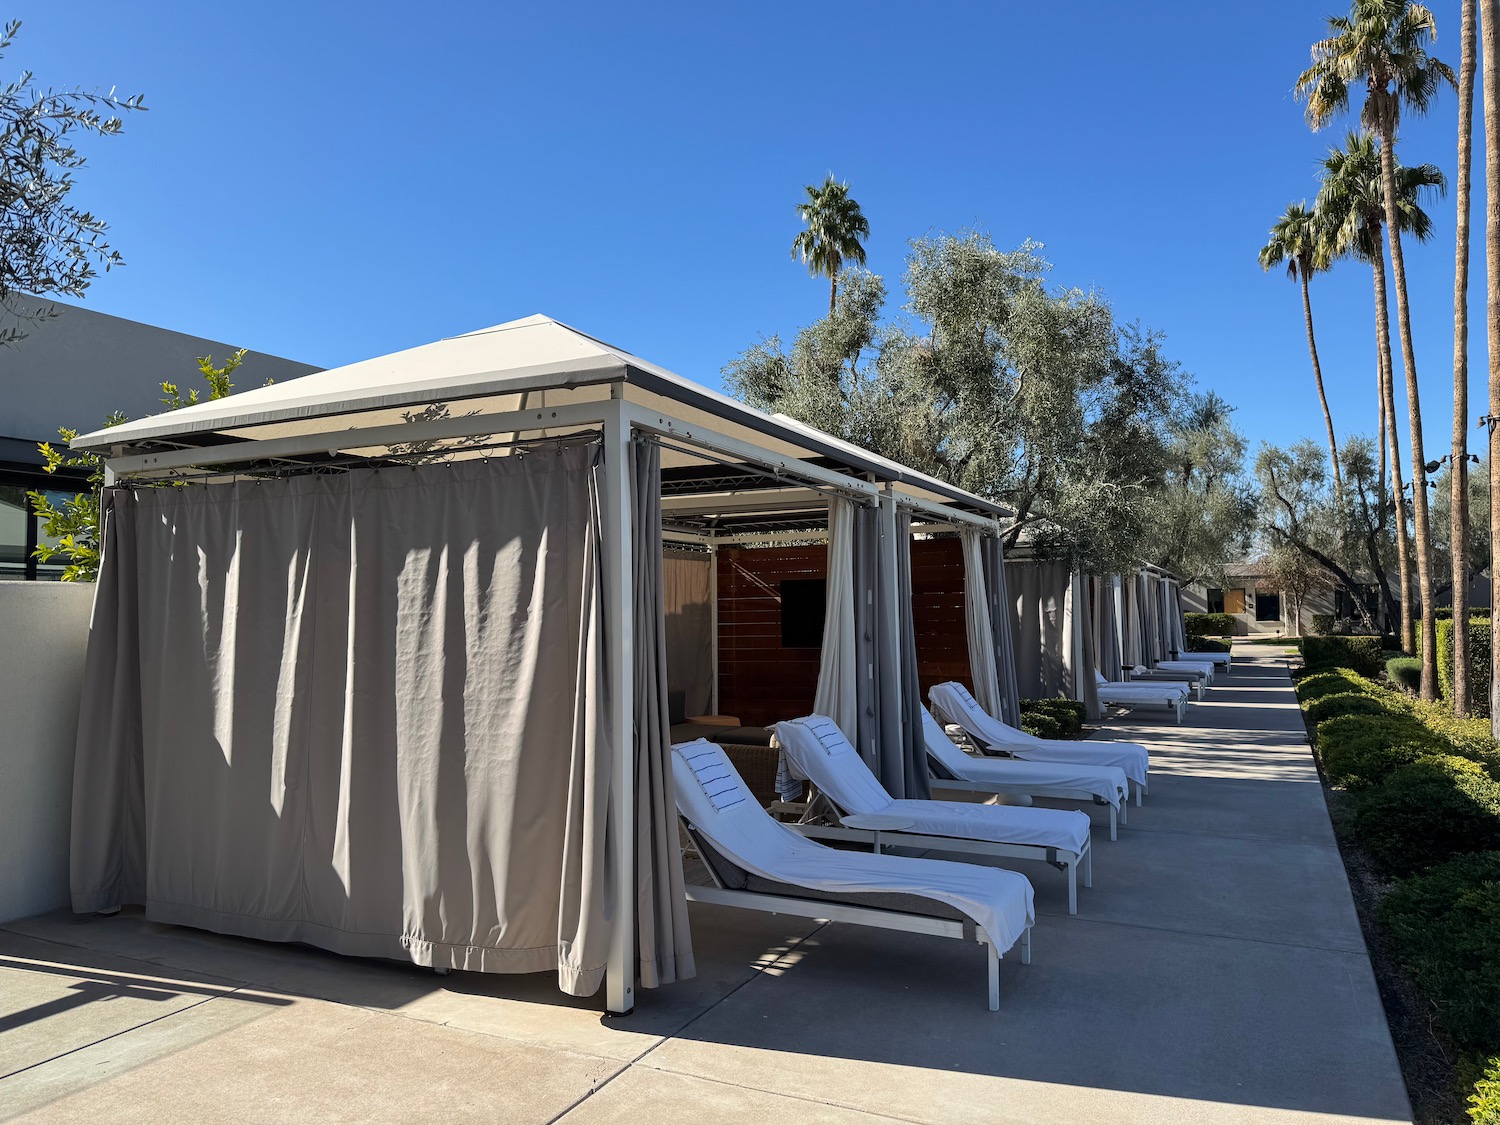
43,633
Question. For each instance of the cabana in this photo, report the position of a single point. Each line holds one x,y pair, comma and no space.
378,655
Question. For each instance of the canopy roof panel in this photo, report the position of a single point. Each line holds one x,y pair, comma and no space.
518,365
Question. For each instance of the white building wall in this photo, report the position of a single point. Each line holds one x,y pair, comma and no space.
44,629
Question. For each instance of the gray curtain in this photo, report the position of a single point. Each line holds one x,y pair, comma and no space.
1080,653
915,776
1131,652
996,591
664,941
978,626
837,690
1106,632
1150,630
1039,627
687,579
364,711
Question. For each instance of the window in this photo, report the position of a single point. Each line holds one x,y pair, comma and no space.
1268,607
1216,601
803,601
1234,601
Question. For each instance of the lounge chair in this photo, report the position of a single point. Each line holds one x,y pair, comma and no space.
1015,776
862,810
756,863
1203,668
1171,694
1218,659
1196,678
955,705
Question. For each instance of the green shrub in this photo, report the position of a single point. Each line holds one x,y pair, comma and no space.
1353,703
1208,624
1039,724
1067,714
1470,737
1360,751
1207,644
1484,1103
1445,926
1405,672
1479,662
1362,654
1322,624
1427,812
1332,680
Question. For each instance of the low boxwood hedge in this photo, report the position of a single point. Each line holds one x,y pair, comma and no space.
1405,672
1363,654
1479,662
1484,1103
1361,751
1445,926
1208,624
1333,680
1066,715
1428,812
1352,703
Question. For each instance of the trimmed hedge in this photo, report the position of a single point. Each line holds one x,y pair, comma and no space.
1208,624
1446,929
1207,644
1479,662
1484,1102
1334,704
1405,672
1065,716
1362,654
1428,812
1360,751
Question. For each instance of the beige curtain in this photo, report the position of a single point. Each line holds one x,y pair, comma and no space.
664,941
363,711
998,595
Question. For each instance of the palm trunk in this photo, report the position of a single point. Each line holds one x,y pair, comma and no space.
1489,29
833,292
1393,438
1459,521
1312,347
1419,517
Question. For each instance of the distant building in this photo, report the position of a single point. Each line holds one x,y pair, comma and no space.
75,370
1259,608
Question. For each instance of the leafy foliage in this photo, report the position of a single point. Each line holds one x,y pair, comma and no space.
1208,624
835,234
74,523
1024,395
1479,662
1405,672
1446,929
46,244
1363,654
1428,812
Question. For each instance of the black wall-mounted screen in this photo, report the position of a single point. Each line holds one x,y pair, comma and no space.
803,601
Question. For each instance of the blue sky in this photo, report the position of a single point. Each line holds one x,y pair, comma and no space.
331,181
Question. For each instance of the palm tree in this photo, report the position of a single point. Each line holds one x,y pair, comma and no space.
1352,199
836,230
1459,463
1489,33
1383,43
1300,239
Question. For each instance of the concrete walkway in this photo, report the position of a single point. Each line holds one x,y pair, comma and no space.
1215,973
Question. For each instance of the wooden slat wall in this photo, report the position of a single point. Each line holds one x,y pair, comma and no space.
937,595
761,682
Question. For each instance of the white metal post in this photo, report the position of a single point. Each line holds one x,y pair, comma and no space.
890,655
619,589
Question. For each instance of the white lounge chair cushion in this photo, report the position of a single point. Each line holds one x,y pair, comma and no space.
707,786
955,703
819,749
1221,658
1197,667
1167,692
1108,783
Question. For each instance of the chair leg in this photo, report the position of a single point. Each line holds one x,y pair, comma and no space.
1026,946
1125,805
1073,886
1114,823
994,959
1088,866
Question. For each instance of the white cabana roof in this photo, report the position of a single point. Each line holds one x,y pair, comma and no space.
532,363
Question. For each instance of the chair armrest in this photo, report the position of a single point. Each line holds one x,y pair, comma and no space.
878,822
